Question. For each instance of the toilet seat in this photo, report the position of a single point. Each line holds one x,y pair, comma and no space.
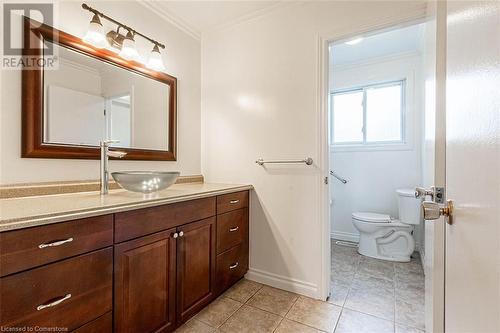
371,217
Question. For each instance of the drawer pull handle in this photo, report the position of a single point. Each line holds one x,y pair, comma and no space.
56,243
233,229
232,202
48,305
233,266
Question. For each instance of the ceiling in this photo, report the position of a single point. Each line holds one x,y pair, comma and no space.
398,41
200,16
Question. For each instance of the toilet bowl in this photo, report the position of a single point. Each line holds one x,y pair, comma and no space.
386,238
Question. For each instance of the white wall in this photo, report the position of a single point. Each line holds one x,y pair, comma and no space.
182,59
260,99
374,175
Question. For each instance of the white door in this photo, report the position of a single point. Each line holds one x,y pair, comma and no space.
433,160
472,276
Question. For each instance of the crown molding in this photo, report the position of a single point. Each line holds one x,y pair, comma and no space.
192,31
253,15
171,18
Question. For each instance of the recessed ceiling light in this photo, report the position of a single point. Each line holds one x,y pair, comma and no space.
355,41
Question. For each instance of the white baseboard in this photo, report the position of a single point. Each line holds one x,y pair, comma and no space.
345,236
283,282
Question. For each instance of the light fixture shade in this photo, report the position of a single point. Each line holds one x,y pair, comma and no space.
155,61
95,35
128,48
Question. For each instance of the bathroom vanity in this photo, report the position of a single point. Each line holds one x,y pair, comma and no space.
128,264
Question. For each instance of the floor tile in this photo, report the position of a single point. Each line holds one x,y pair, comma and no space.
273,300
409,277
372,295
243,290
375,304
408,314
373,284
338,292
288,326
405,329
217,312
195,326
314,313
250,320
356,322
414,266
410,293
377,268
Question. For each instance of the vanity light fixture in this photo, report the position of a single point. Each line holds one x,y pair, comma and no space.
95,34
124,45
128,50
155,62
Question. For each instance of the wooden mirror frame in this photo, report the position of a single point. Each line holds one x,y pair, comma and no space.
33,95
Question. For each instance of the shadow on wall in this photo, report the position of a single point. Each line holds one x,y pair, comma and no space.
273,253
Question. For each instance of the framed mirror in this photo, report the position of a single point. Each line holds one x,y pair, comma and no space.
93,95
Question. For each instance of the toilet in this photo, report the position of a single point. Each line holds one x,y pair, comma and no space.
386,238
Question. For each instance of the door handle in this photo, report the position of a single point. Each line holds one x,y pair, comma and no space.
421,192
433,211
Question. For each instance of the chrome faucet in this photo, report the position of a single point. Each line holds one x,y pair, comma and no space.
105,153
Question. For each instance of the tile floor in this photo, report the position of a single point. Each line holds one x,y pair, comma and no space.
367,295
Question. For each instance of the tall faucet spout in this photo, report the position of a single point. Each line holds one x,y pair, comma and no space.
104,171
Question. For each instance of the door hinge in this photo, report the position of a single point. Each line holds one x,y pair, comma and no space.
326,180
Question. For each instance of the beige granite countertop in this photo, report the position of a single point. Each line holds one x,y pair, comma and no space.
18,213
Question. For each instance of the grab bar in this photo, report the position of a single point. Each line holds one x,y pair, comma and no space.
307,161
338,177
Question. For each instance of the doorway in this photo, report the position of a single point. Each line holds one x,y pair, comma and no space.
377,84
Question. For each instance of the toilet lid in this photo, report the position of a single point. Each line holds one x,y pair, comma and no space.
372,217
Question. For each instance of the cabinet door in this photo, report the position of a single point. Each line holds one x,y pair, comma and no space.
145,284
195,267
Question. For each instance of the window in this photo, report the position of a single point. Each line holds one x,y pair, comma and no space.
369,115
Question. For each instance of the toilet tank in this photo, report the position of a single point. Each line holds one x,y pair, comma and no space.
409,206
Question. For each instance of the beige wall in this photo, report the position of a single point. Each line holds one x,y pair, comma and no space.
260,99
182,59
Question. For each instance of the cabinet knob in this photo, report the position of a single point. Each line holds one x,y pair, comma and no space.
181,233
175,235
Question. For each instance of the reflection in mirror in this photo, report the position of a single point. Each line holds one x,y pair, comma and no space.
87,100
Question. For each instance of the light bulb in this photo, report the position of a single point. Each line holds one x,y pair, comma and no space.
155,61
128,48
94,35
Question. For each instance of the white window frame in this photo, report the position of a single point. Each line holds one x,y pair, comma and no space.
372,145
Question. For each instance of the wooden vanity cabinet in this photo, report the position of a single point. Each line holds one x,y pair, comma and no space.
145,284
195,267
167,263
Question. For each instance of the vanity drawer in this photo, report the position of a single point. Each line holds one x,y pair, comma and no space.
231,266
103,324
65,294
140,222
232,201
232,229
27,248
